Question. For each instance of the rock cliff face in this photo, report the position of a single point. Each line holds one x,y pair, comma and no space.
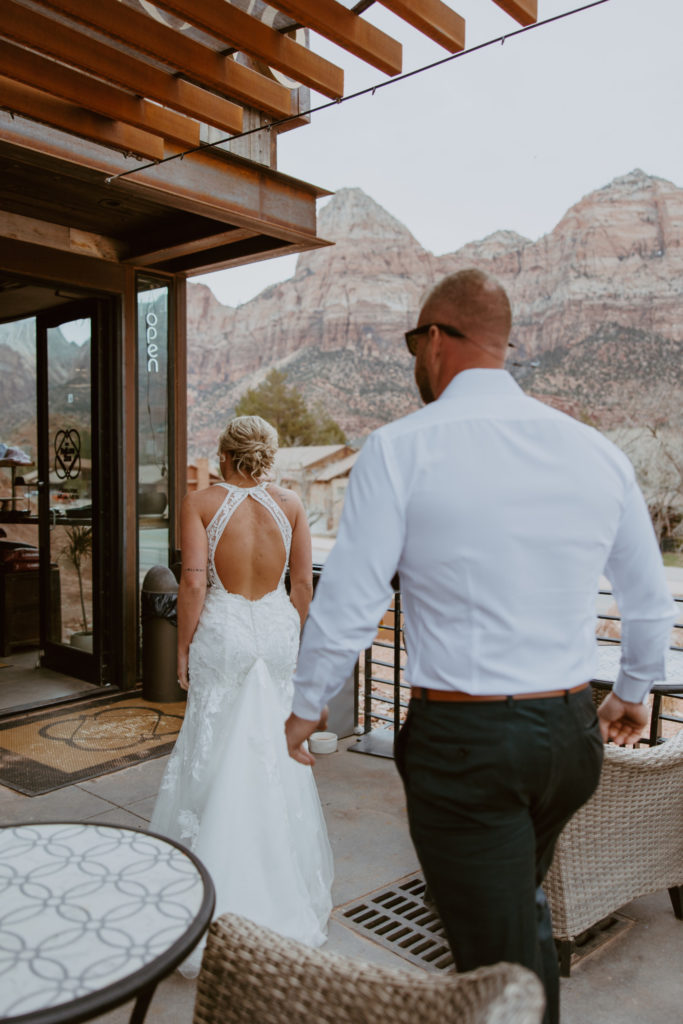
598,324
335,326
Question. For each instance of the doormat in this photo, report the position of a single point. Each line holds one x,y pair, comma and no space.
47,750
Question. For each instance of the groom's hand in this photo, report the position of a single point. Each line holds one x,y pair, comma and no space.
621,721
297,731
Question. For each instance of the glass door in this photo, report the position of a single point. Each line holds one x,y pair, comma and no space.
68,474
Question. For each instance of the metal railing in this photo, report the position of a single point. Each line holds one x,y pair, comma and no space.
383,701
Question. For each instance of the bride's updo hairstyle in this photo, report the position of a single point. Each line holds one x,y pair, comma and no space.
251,442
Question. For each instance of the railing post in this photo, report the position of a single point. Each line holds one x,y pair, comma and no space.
367,693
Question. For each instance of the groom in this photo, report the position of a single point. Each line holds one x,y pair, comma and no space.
500,515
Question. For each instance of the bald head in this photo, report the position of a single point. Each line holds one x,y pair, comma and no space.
476,304
478,309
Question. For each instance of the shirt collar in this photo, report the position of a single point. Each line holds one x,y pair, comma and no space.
481,381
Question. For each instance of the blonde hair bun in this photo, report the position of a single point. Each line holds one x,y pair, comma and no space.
251,443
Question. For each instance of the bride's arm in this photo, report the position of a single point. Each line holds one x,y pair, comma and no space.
301,564
192,587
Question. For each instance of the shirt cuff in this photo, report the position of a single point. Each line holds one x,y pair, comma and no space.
631,689
303,708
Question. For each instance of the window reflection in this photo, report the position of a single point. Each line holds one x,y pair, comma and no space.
153,423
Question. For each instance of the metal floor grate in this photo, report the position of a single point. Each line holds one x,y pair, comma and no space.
398,918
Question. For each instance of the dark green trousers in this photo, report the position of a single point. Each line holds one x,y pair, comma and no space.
489,787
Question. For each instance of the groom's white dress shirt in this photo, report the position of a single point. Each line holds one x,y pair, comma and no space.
500,515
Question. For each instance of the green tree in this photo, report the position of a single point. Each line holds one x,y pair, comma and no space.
282,405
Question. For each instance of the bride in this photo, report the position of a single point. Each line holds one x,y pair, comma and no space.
230,791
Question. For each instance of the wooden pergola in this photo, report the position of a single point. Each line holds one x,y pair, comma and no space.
90,88
90,91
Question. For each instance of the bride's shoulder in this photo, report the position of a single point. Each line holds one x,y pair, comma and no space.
205,500
289,501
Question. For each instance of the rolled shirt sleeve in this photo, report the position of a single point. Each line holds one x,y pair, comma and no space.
634,568
355,586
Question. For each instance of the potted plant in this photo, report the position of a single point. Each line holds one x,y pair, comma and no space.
77,550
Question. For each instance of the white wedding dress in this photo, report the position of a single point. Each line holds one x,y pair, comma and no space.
230,791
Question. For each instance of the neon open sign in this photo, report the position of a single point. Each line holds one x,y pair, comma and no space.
151,321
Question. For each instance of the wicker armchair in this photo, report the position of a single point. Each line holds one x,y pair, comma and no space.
625,842
250,975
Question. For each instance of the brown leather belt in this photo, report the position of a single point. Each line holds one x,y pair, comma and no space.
421,693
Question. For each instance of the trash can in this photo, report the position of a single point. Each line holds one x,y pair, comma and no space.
159,614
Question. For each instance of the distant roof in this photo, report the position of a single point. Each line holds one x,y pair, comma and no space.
306,455
340,468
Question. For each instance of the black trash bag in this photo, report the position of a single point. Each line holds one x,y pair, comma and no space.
159,606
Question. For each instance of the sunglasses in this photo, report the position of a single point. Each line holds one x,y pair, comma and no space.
412,336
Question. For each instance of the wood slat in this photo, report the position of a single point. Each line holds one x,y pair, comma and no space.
67,117
348,30
58,236
147,256
237,29
41,73
193,59
523,11
71,46
258,247
433,18
215,259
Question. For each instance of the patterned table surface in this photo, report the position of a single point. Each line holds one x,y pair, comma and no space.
92,913
608,666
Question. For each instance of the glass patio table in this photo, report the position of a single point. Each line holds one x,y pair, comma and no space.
92,916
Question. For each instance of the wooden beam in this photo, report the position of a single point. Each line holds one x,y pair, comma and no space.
73,47
222,261
198,62
433,18
523,11
239,30
57,236
41,73
348,30
146,257
67,117
209,183
63,270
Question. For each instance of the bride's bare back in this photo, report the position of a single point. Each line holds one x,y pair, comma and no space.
250,553
249,557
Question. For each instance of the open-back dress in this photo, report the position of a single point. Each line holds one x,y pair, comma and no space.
230,791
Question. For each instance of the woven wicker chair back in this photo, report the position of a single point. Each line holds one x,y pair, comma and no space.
627,841
250,975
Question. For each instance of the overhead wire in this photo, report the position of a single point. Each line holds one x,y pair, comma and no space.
369,90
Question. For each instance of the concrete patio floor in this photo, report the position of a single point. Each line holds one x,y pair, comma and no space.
635,976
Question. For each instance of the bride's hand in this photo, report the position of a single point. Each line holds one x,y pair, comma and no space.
183,676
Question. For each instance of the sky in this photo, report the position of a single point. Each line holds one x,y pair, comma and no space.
508,137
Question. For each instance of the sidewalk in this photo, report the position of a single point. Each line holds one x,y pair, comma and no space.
635,976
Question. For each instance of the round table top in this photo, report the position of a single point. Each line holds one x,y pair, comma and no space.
609,656
92,913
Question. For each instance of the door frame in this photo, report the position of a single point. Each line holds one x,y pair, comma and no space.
107,488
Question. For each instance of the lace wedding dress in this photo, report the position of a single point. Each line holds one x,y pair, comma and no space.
230,791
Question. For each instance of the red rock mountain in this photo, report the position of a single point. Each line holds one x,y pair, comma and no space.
598,317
